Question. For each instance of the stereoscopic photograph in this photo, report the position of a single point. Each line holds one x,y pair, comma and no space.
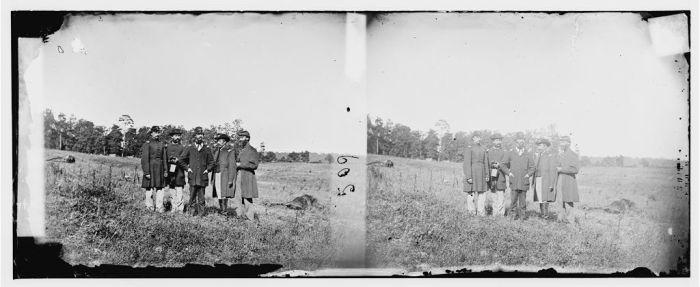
356,143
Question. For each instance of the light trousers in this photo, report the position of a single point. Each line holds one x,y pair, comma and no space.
177,199
149,199
159,198
538,189
218,185
566,211
497,200
476,203
248,208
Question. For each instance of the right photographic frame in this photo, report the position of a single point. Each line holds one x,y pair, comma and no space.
529,141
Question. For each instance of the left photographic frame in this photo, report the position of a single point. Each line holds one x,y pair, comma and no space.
204,144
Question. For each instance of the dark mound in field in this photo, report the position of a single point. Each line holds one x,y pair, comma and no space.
620,206
385,163
302,202
68,159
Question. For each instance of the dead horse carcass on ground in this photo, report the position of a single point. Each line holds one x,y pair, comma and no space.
386,163
302,202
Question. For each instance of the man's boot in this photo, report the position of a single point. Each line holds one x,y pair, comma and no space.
224,211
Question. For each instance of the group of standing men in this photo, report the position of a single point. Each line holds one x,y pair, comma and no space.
227,166
550,172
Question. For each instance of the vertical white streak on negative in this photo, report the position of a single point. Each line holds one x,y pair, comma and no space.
30,188
348,219
355,46
354,124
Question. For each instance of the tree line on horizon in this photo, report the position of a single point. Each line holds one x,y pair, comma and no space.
69,133
384,137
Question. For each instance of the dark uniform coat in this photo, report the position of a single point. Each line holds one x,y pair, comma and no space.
475,168
520,164
498,155
225,163
153,163
248,159
566,183
173,152
546,167
198,161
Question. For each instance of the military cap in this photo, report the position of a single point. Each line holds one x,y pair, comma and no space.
565,139
242,133
198,131
175,132
496,136
519,136
476,134
543,141
222,136
155,129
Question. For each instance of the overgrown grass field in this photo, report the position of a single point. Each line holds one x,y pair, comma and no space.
627,218
95,208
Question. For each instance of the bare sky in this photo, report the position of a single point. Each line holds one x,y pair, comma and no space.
283,74
595,76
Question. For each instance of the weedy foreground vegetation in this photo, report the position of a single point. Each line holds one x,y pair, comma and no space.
94,207
627,218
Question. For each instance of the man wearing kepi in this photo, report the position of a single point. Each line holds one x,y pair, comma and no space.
521,168
198,161
153,164
224,171
498,172
176,174
476,176
545,175
566,185
248,162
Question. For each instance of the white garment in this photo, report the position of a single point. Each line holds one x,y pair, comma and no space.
471,209
149,199
176,198
248,210
476,203
160,196
538,189
217,185
497,202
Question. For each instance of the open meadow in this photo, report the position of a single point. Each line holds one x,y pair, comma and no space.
94,207
627,218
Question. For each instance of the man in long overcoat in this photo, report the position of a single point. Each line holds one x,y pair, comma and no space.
198,161
475,176
520,169
566,185
153,164
176,174
248,160
498,175
224,171
545,176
